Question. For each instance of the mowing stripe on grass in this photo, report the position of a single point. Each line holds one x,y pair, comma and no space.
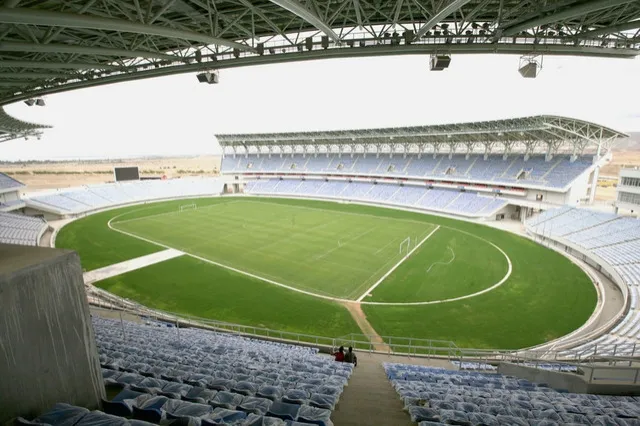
300,248
338,299
151,216
249,274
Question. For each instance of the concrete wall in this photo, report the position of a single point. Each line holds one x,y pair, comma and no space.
606,380
47,347
554,379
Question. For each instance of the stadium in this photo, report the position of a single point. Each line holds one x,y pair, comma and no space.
467,264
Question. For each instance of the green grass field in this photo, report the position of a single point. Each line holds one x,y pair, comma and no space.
325,252
338,249
446,266
193,287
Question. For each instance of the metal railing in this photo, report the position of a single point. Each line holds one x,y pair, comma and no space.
389,345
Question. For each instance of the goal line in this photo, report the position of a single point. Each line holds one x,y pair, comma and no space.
185,207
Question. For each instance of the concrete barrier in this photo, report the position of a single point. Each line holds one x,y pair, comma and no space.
47,346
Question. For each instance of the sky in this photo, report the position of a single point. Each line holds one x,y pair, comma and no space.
178,116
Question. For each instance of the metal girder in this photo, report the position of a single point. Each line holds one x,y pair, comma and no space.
32,75
299,10
612,29
116,36
516,133
572,12
56,65
70,20
12,46
435,19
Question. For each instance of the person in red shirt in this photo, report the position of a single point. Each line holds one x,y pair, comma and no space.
339,356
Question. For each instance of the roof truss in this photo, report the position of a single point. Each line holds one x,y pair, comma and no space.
93,42
554,132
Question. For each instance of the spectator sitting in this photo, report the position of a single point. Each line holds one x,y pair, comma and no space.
339,356
351,357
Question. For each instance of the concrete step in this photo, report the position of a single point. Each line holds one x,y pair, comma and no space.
369,399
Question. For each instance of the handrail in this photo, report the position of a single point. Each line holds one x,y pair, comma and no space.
401,346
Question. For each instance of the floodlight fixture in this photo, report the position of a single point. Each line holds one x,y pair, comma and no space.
439,62
209,77
30,102
40,102
530,66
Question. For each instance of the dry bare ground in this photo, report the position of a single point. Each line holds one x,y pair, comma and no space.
46,176
606,187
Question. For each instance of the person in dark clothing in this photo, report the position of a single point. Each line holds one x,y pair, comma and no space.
339,356
351,357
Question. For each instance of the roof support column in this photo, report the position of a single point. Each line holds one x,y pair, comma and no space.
594,184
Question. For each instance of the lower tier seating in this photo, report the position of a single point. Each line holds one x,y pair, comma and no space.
208,376
435,396
20,229
616,241
448,201
89,198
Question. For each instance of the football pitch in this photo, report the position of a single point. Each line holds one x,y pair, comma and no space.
279,264
335,254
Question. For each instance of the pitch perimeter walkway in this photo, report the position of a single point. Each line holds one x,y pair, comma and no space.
130,265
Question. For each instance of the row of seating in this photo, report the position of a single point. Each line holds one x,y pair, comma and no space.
483,366
557,173
615,240
20,229
163,411
214,370
435,396
90,198
448,201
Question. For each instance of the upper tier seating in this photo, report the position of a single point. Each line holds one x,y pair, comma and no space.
20,229
210,372
472,398
101,196
455,202
7,182
616,240
557,173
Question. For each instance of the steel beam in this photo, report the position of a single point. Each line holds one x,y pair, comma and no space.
627,26
448,10
70,20
31,75
356,7
302,12
57,65
385,50
13,46
572,12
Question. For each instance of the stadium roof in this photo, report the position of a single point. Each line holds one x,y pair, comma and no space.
56,45
12,128
550,131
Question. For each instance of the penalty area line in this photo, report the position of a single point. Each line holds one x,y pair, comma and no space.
370,289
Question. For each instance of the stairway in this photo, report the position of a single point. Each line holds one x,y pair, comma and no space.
369,399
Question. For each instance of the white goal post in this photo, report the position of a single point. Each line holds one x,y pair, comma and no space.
184,207
406,242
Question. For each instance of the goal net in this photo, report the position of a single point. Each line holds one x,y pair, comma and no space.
191,206
405,246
